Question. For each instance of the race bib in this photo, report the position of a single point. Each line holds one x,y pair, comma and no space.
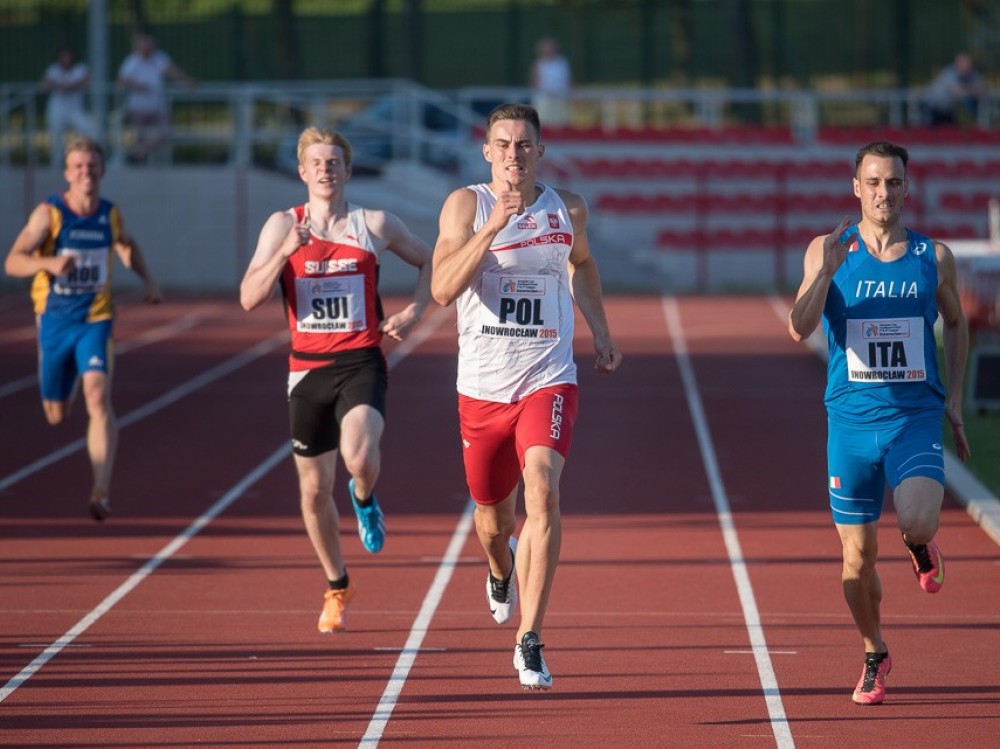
89,274
886,350
330,305
519,307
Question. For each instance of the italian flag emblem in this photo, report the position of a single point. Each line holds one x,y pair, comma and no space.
835,482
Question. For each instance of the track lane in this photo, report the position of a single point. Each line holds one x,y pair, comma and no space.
775,428
219,644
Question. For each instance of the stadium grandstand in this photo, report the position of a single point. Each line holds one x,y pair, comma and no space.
698,178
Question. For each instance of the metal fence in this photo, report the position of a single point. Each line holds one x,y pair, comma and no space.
388,119
448,44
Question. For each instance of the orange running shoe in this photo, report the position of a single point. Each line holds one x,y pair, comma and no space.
871,686
928,565
334,615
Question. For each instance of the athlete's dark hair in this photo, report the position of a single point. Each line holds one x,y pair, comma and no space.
884,149
514,112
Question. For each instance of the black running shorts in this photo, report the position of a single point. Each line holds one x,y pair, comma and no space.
319,398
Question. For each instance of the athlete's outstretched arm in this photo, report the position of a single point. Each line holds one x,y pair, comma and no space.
280,238
459,251
955,340
132,258
23,260
412,250
823,257
586,285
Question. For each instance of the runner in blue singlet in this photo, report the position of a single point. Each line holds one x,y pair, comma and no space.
68,246
878,289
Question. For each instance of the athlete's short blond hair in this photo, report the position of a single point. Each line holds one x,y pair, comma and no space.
84,144
313,135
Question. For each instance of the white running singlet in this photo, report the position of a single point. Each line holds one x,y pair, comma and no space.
515,321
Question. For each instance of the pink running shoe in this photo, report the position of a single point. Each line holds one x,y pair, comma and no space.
928,566
871,687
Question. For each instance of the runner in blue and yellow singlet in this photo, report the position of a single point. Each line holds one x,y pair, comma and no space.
68,246
878,288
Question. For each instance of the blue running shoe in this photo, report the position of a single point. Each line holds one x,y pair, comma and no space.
371,522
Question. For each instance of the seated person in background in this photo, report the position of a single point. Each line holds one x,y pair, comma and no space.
955,89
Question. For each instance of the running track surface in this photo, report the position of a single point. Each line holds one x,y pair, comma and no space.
697,603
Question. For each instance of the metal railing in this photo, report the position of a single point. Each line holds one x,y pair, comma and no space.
251,123
257,123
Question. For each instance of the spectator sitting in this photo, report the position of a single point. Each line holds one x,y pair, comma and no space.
954,90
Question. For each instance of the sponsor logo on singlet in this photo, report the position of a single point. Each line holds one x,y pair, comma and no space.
322,267
869,289
555,429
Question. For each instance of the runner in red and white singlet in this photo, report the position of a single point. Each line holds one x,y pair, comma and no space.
514,255
325,257
331,293
515,319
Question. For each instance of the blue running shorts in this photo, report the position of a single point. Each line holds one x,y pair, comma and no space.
861,462
67,349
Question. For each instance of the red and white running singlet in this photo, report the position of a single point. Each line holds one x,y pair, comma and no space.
515,321
331,294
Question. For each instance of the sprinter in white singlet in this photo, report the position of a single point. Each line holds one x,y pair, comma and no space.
513,255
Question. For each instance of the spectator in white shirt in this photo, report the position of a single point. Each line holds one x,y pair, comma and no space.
143,76
551,83
67,80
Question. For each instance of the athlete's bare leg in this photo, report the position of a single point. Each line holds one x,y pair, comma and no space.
918,508
360,436
319,513
102,430
56,412
495,524
862,587
541,537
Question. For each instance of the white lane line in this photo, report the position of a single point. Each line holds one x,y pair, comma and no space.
400,650
151,336
419,628
751,616
770,652
390,696
171,396
16,335
145,571
451,559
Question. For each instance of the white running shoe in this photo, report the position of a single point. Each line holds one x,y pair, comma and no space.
501,595
530,663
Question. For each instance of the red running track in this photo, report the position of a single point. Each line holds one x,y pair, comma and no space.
697,602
